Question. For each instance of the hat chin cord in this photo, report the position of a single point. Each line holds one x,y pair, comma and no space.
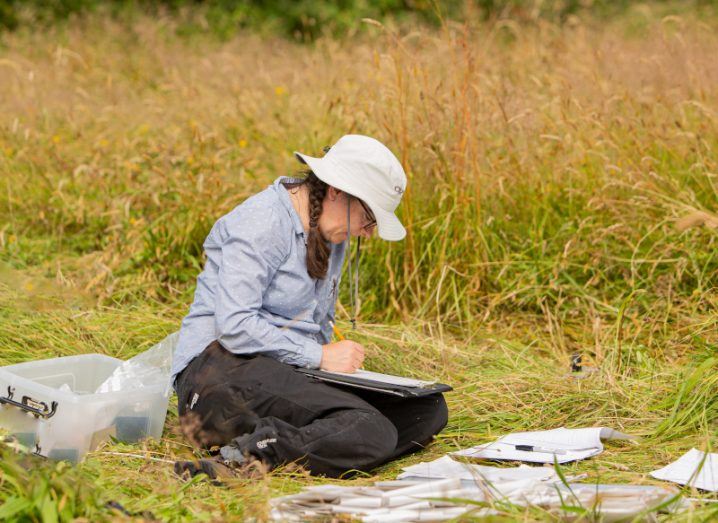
353,276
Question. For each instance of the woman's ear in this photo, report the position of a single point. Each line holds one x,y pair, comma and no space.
333,193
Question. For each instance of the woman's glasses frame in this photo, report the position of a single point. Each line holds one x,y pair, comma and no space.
368,216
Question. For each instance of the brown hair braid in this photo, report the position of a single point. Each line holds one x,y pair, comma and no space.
317,248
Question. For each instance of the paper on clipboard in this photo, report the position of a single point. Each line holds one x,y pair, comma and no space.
386,379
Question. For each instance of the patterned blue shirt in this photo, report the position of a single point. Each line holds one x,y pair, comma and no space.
254,294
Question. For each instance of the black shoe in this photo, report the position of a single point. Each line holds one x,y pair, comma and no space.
219,470
214,469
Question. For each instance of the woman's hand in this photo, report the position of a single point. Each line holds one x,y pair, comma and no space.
342,356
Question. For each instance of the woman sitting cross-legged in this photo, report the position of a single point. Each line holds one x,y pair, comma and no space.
264,305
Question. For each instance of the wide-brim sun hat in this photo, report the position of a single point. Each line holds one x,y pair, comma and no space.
364,167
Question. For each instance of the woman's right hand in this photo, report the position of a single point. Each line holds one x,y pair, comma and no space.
342,356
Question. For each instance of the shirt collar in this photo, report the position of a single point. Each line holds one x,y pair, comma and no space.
287,201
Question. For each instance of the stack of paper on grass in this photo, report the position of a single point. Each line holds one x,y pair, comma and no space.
395,501
445,467
694,468
605,503
546,446
440,500
542,487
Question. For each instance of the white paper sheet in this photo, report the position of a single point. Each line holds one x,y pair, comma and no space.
385,378
398,501
562,445
396,516
435,489
694,468
445,467
418,502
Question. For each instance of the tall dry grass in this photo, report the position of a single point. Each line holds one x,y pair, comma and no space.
552,170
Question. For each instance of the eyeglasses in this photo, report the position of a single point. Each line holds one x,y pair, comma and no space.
368,217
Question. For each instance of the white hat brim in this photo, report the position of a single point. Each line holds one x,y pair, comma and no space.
388,225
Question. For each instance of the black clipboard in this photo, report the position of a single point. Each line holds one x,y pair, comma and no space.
376,386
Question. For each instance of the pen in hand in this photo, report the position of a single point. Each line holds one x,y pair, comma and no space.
338,334
341,337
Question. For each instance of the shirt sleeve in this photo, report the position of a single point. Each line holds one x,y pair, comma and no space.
251,254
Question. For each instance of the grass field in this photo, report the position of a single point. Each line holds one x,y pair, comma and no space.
563,198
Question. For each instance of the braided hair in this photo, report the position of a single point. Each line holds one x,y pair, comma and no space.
317,248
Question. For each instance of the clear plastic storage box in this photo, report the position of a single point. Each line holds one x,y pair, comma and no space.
53,406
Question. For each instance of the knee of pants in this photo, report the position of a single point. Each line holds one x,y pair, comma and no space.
377,438
441,414
216,419
436,416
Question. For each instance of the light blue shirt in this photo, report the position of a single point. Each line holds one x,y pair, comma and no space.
254,294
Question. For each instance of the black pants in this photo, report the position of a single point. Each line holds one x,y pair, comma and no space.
269,410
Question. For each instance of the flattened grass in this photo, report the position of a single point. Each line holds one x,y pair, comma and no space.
501,384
